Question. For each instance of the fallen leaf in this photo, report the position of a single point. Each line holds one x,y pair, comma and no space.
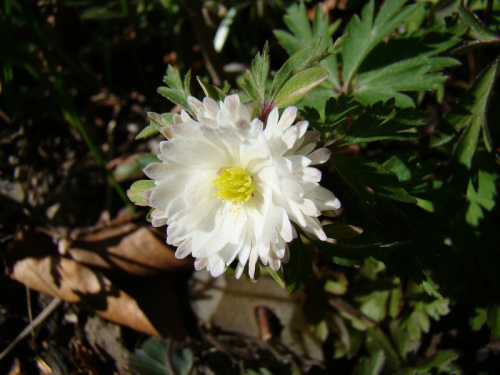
152,313
133,248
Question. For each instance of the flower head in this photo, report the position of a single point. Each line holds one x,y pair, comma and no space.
231,189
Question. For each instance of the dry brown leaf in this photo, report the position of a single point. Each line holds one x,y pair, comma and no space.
130,247
152,313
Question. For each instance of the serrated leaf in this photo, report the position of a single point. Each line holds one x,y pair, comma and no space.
413,74
135,193
469,112
176,91
330,116
161,357
381,122
372,365
151,359
302,32
479,319
299,85
477,29
255,79
437,308
438,361
374,305
366,32
361,173
211,91
376,340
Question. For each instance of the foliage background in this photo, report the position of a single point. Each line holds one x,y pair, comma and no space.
410,111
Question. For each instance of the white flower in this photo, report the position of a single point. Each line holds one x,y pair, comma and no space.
230,189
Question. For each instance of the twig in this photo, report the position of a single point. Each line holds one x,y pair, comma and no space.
212,61
35,323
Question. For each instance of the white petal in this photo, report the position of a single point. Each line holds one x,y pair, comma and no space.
239,270
211,108
185,116
309,208
319,156
312,175
197,106
272,122
157,171
287,118
216,265
324,199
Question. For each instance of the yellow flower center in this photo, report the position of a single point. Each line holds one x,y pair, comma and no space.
234,184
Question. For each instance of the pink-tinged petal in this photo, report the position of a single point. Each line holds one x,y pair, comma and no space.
200,263
183,250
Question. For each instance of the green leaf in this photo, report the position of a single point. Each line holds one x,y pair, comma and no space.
376,340
372,365
299,85
161,357
365,33
342,231
278,276
330,116
477,29
210,90
470,112
302,32
412,74
493,319
351,254
381,122
135,193
438,361
133,166
158,122
343,255
255,79
361,173
482,195
374,305
299,267
479,319
304,59
176,91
